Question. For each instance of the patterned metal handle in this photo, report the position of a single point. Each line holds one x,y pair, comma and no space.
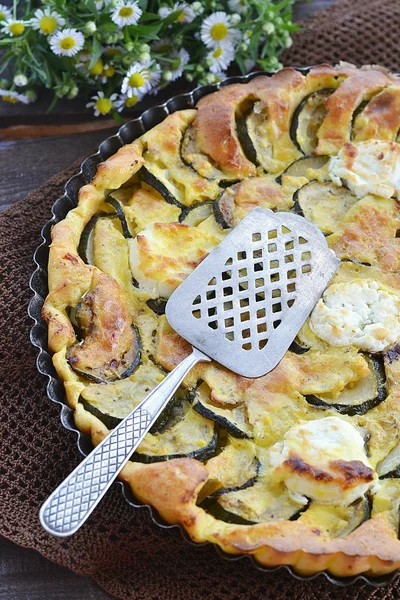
68,507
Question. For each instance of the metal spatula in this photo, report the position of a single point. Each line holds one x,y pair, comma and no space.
242,306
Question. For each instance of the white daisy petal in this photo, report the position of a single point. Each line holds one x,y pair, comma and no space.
179,60
217,30
221,58
13,27
102,104
13,97
238,6
126,13
186,15
47,21
67,42
139,80
5,13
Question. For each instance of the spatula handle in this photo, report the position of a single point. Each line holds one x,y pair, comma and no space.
68,507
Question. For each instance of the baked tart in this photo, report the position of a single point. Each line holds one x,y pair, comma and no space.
300,467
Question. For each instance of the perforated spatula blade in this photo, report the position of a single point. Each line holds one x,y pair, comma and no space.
245,303
242,306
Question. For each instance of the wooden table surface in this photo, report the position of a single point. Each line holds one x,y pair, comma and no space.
29,155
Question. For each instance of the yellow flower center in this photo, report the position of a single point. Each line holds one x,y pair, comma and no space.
17,28
97,68
67,43
10,99
180,17
136,80
219,31
125,11
129,102
109,72
217,53
2,16
104,105
48,24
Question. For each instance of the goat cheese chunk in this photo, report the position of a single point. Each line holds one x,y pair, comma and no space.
370,167
323,460
164,254
359,313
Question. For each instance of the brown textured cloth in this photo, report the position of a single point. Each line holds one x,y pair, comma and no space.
120,547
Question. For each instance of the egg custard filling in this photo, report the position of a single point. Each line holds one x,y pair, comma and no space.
300,466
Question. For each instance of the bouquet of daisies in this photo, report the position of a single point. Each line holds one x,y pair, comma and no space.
118,51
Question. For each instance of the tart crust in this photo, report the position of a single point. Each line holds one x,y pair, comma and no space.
367,234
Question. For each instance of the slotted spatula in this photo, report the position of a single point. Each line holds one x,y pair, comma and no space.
242,306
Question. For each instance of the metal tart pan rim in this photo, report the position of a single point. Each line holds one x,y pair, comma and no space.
38,335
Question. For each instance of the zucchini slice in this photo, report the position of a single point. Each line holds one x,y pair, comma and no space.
389,467
192,436
85,248
235,466
298,348
336,521
202,164
232,419
323,203
196,214
114,369
161,186
112,402
157,305
253,137
359,398
245,139
307,119
301,166
121,215
256,501
224,207
111,347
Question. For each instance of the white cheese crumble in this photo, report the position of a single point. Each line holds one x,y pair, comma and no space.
359,313
323,460
370,167
164,254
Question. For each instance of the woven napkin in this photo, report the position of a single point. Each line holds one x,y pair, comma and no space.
119,546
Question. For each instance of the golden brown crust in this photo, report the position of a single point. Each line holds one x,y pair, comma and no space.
221,143
381,117
359,86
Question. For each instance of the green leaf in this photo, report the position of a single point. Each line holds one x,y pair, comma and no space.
96,49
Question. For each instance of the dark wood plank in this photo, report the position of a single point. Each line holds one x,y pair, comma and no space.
26,164
25,575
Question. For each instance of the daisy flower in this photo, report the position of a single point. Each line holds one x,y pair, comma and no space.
13,97
220,58
5,13
102,104
216,30
101,3
179,60
47,21
238,6
67,42
14,27
163,46
126,13
125,102
138,80
186,13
